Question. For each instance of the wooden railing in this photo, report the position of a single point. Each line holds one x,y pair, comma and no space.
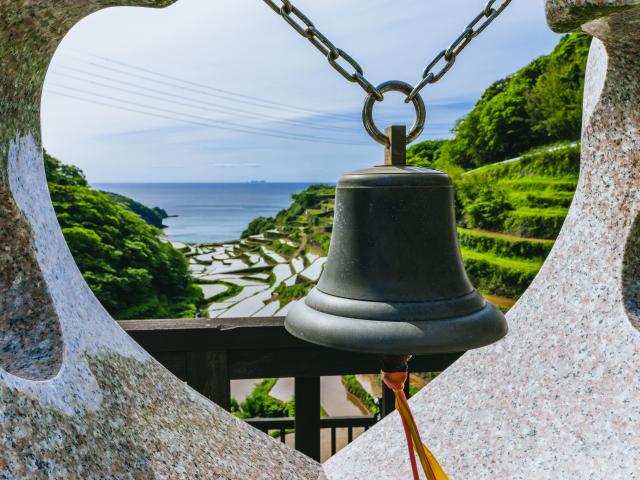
280,426
209,353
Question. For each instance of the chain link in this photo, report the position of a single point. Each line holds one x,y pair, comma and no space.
488,14
305,27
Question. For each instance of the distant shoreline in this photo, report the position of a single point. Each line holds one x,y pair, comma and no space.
209,212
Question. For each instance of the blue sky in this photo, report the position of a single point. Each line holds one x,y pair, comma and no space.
226,91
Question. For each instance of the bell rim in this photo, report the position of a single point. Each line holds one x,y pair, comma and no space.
394,310
421,337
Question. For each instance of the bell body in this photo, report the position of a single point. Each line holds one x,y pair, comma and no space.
394,282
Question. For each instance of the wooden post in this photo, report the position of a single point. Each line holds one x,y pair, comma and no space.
307,423
208,373
395,154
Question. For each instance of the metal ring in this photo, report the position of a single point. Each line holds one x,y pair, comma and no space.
393,86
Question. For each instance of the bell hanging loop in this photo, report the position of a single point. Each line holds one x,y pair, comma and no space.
393,86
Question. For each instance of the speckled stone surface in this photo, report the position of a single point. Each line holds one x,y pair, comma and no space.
559,397
78,398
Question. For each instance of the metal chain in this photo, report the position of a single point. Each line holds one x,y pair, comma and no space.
305,27
488,14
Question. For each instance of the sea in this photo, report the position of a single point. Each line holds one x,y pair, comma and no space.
209,212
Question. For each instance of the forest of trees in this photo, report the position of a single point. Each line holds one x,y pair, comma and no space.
132,272
539,105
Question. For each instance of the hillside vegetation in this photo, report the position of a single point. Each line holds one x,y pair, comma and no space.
539,105
310,216
131,271
153,216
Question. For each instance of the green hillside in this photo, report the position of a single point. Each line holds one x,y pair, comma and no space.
153,216
308,220
539,105
132,272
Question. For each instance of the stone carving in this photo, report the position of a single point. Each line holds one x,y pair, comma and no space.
559,397
78,398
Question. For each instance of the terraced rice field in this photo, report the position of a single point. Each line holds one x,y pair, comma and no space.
239,278
531,197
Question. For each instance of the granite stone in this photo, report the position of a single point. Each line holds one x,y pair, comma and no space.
78,398
559,397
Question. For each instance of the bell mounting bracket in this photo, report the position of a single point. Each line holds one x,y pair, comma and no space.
418,105
395,153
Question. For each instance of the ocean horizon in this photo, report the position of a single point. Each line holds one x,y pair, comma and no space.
209,212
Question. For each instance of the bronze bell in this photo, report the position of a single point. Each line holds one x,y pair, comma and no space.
394,282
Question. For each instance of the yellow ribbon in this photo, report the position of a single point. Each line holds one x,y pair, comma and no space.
432,469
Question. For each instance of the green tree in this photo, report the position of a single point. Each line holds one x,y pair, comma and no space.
485,207
425,153
61,174
153,216
555,101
